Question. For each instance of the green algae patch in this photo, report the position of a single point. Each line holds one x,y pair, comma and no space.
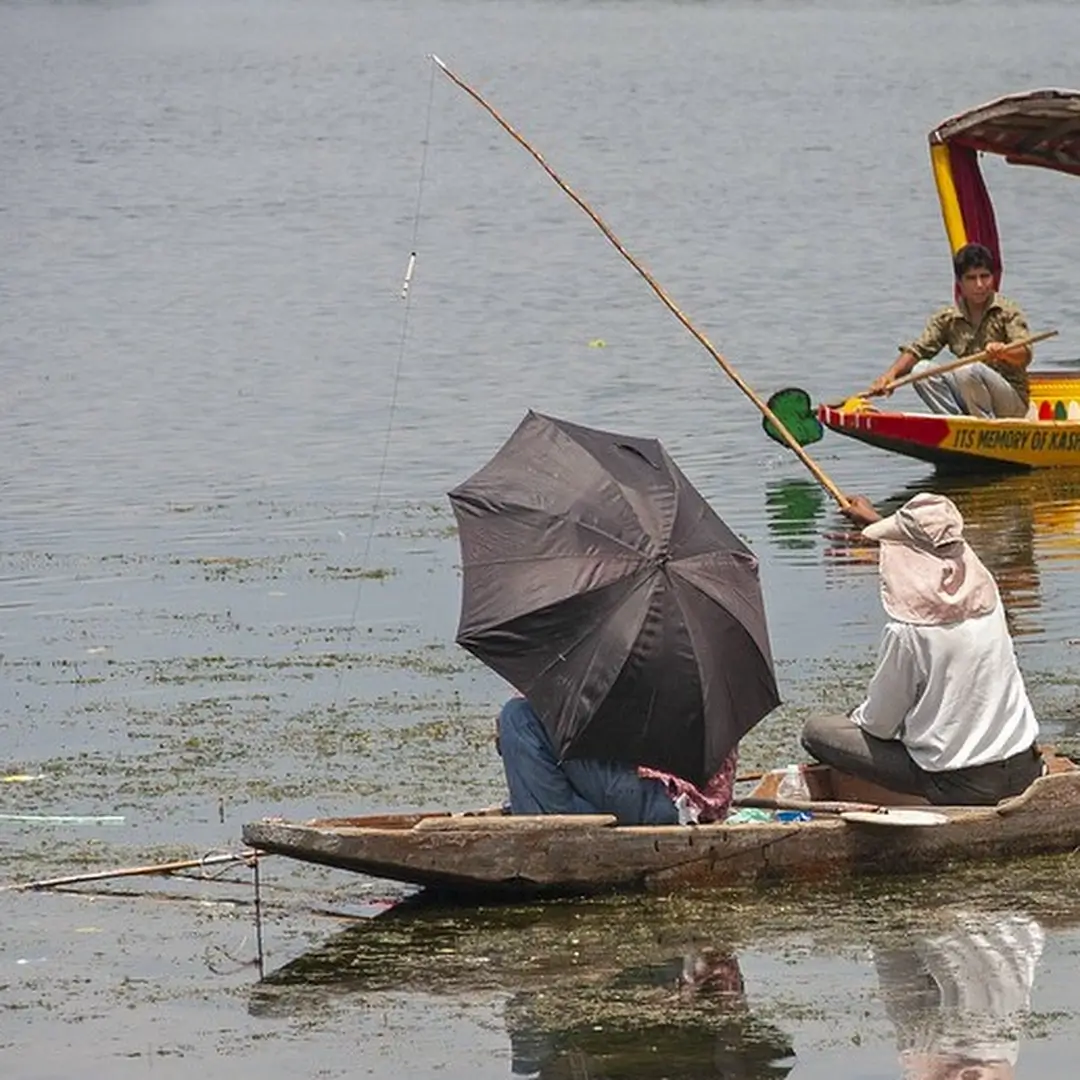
357,573
219,567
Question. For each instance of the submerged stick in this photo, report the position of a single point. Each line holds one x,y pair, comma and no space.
818,473
132,871
257,886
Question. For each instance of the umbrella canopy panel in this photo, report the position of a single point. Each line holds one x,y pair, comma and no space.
601,584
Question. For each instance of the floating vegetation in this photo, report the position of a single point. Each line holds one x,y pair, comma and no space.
220,567
351,573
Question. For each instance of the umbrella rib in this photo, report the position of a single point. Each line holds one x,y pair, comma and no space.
541,558
764,658
608,536
701,523
583,525
585,633
694,585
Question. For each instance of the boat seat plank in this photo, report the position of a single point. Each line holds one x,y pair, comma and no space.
515,822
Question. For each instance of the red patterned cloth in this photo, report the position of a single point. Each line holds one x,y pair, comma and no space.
714,802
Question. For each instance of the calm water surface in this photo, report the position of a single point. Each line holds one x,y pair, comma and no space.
228,574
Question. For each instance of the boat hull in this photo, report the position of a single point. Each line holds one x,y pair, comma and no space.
512,856
1049,437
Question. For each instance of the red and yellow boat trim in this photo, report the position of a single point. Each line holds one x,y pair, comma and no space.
1048,438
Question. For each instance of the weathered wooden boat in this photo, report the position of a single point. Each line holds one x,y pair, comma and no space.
1049,437
1040,128
502,856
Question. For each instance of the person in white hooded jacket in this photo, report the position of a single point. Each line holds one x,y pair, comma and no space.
946,716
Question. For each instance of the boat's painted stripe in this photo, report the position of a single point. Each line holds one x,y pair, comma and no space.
1050,442
1054,384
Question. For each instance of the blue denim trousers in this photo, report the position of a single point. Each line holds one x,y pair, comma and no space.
540,784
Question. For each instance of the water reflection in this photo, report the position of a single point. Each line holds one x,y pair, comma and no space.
589,993
795,508
686,1017
958,998
721,986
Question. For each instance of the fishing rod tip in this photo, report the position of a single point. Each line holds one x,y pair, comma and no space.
433,57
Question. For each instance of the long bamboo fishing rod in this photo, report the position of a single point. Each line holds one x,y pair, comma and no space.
818,473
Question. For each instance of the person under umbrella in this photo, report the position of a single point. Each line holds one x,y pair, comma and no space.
538,783
602,586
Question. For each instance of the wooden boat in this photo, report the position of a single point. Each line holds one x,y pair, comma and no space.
501,856
1039,128
1049,437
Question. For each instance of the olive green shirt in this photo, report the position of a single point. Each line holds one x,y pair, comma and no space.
1002,321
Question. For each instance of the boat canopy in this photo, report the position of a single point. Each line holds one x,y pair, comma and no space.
1039,127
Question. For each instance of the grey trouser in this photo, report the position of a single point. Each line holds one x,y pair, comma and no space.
836,741
975,390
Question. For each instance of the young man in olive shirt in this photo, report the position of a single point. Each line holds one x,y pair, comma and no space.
981,321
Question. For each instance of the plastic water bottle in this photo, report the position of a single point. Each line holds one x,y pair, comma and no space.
793,785
688,815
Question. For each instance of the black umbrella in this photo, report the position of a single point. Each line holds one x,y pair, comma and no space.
600,584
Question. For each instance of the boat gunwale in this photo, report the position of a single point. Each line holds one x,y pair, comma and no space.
959,419
508,863
533,823
952,442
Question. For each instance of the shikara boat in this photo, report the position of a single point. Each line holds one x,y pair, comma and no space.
494,855
1042,128
1049,437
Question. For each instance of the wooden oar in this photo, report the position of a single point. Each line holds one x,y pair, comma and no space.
952,365
825,806
800,414
816,470
747,777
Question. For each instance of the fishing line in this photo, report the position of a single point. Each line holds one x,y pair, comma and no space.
406,297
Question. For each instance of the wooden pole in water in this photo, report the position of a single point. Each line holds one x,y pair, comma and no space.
131,871
818,473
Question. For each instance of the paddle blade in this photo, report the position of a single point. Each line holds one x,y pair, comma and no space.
794,409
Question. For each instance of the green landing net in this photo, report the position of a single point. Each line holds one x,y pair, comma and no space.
794,409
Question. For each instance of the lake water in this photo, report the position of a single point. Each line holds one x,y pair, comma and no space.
228,573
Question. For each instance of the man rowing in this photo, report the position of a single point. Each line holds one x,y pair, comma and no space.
982,320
